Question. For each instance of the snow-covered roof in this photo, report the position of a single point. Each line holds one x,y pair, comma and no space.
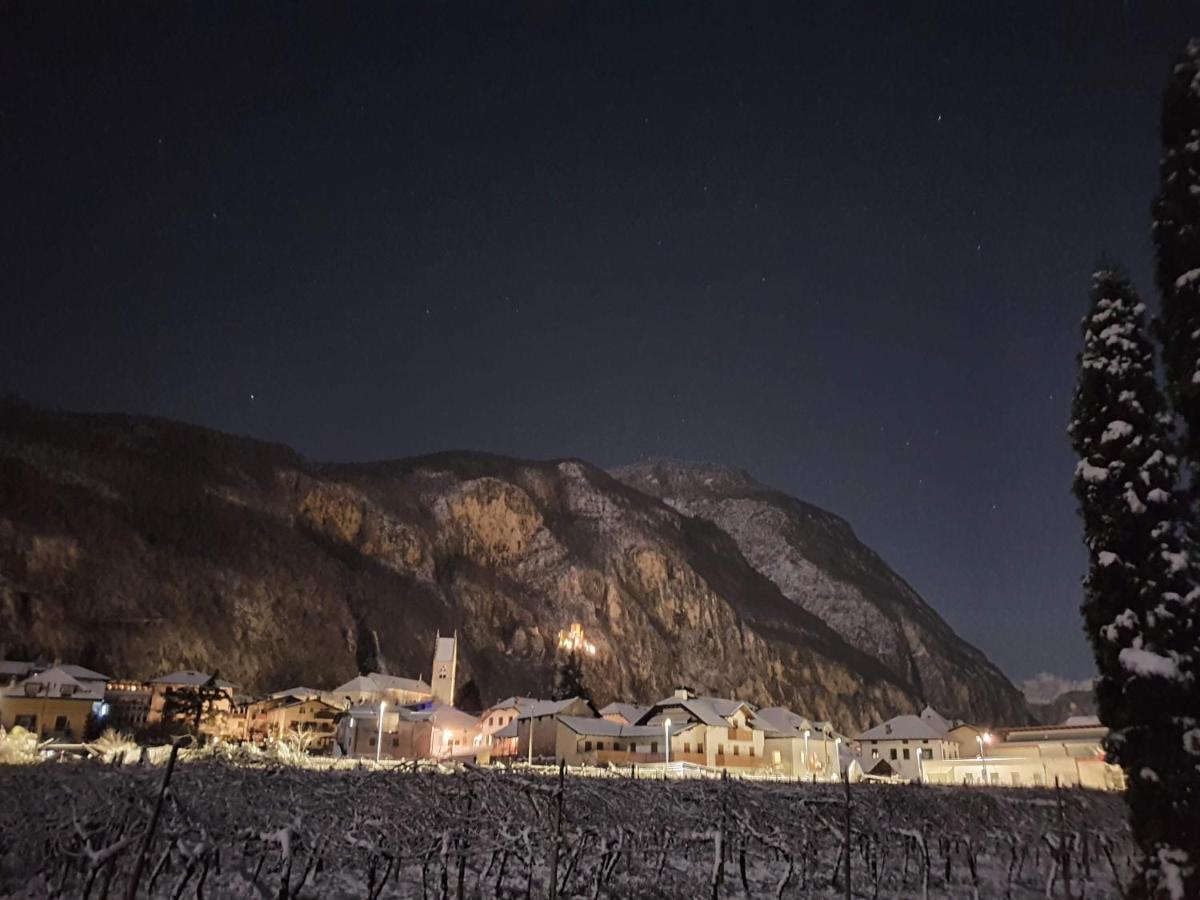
511,730
782,721
936,720
906,728
377,683
541,708
22,669
1082,721
52,681
189,678
714,711
299,692
631,712
517,703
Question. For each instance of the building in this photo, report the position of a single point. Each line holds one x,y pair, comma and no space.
429,730
128,704
54,702
218,719
907,743
533,734
708,731
375,687
302,712
588,740
495,718
445,665
1071,754
796,746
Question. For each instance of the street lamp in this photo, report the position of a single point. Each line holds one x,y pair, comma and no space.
667,745
379,738
837,755
806,734
445,742
982,739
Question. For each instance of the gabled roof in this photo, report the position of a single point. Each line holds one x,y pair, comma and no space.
539,709
298,692
631,712
517,703
713,711
906,728
377,683
936,720
56,677
82,674
23,669
778,720
190,678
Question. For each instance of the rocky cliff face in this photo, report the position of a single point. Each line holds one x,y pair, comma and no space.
816,561
135,545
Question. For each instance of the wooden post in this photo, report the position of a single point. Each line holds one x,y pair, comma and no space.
562,771
846,783
1063,850
152,825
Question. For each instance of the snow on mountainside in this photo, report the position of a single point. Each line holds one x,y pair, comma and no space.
1046,688
816,560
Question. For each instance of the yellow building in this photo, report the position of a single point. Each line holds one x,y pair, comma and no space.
52,702
302,711
797,746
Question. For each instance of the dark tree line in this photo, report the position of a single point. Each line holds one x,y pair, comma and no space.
1138,486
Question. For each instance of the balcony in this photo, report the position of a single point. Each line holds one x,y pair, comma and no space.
740,734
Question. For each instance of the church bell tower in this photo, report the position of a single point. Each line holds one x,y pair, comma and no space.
445,662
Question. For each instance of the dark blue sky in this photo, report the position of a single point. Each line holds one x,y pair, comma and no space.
846,248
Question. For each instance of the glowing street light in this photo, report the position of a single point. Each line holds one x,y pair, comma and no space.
445,741
379,738
806,734
837,755
982,739
667,745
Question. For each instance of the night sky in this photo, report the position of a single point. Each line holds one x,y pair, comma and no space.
846,248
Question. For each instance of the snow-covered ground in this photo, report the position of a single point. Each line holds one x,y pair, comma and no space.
276,831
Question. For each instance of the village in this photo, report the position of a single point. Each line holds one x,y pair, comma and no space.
379,717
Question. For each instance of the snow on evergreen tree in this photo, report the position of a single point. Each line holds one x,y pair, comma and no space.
1137,610
1177,248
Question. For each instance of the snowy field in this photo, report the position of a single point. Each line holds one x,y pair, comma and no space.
278,831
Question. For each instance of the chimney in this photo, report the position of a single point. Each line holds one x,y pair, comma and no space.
682,693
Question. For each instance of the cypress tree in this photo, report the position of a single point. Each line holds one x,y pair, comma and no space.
1136,609
1177,250
570,682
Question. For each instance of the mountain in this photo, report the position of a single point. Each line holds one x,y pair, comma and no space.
1053,699
814,558
135,545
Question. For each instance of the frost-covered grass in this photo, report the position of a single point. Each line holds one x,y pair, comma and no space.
226,830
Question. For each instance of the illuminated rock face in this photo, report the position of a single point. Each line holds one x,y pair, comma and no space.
573,641
138,546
